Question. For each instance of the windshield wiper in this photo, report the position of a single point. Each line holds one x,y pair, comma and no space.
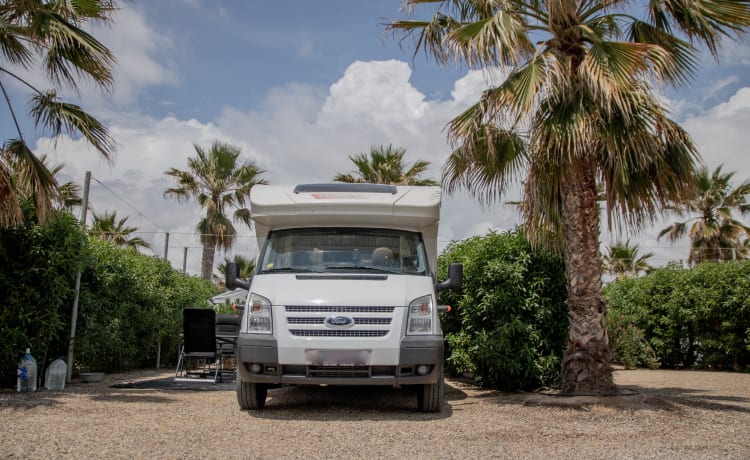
361,267
287,270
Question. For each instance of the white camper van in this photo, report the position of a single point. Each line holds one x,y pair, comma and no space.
344,291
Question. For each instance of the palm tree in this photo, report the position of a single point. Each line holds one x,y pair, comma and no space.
246,266
51,32
385,165
219,182
108,228
714,232
623,260
576,109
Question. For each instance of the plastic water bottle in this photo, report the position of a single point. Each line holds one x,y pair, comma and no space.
27,373
54,379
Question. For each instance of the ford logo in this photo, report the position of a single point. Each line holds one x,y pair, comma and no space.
339,322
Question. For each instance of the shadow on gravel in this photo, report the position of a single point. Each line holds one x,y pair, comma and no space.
168,383
631,398
349,403
132,397
674,398
304,402
46,398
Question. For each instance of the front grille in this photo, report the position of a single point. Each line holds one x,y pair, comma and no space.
367,321
338,371
319,320
296,320
337,333
337,309
372,321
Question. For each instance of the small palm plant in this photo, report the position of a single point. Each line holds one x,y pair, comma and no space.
246,266
108,228
624,260
385,165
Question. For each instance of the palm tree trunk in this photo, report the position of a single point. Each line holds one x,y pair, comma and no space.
207,263
586,366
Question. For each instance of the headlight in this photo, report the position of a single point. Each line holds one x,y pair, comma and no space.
259,318
420,316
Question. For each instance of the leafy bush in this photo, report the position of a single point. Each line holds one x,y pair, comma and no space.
628,343
509,323
129,302
37,273
697,317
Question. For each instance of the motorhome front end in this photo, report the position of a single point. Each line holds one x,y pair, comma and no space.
344,291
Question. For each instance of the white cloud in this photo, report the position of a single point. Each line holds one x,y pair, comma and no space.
377,92
721,134
141,53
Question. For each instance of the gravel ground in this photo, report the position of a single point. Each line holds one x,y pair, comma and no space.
661,414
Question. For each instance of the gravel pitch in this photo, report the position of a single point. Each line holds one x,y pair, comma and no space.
661,414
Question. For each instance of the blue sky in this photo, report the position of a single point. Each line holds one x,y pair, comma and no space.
299,86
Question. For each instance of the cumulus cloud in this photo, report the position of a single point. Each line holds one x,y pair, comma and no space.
142,57
721,134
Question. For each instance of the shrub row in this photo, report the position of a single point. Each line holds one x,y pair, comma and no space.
129,302
697,317
509,323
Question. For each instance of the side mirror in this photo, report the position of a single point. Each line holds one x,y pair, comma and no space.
232,277
455,278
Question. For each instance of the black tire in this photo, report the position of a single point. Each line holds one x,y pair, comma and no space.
251,396
430,396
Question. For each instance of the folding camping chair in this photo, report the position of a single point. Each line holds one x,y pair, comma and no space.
198,349
227,332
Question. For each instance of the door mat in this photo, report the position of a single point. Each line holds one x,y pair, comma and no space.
168,383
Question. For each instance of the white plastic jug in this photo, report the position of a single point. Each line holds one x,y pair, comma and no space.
54,379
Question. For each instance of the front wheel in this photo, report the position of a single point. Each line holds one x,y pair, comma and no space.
251,395
430,396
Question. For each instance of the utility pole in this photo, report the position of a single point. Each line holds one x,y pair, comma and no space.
184,260
158,340
74,315
166,245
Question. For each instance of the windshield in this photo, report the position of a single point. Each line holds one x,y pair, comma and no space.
342,250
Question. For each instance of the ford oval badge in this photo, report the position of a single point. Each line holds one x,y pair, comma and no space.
339,322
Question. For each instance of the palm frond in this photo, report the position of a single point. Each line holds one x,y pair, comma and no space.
704,21
32,178
57,117
486,164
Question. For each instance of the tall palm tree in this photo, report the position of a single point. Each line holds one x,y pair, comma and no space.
385,165
108,228
219,182
714,232
576,109
624,260
50,32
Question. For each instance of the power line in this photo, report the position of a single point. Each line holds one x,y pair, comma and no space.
140,213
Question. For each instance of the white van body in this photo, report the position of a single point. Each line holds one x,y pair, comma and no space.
344,291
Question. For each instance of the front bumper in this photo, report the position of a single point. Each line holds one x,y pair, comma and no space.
414,351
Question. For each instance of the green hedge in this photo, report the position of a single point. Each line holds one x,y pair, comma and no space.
37,277
697,317
509,323
129,302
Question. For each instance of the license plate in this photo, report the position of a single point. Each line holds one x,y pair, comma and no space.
338,358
